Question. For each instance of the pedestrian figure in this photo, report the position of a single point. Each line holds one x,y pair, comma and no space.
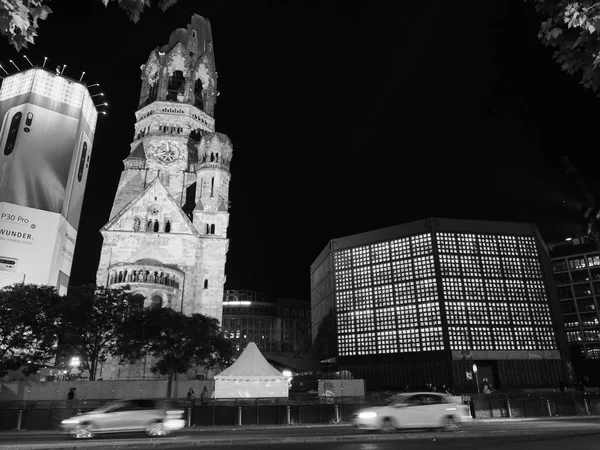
191,395
486,389
71,394
203,396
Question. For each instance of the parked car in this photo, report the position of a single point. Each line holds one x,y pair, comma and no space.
155,417
415,410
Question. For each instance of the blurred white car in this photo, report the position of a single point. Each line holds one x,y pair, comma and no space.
415,410
155,417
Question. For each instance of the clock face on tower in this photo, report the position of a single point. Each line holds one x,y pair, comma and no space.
167,152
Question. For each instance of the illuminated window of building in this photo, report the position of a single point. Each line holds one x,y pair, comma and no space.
540,313
429,314
474,289
380,252
531,268
546,338
478,313
492,266
346,344
382,273
571,321
426,290
594,261
342,259
496,291
384,295
407,316
408,340
387,342
364,320
499,314
467,244
405,292
520,313
459,338
456,313
487,244
586,304
593,352
470,266
536,291
503,338
525,338
574,336
588,320
424,267
446,243
366,344
527,246
346,322
421,244
400,248
385,318
482,338
403,269
363,298
344,300
450,265
432,339
515,290
577,262
343,280
453,288
362,276
512,267
508,245
361,256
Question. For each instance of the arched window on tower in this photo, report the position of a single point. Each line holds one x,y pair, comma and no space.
176,87
212,186
207,229
212,229
156,225
136,223
149,225
168,226
205,284
198,99
212,157
153,94
156,301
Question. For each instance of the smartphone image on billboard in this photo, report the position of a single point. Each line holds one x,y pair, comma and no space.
36,149
77,180
8,264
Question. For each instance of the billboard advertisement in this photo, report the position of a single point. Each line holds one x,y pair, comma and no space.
35,247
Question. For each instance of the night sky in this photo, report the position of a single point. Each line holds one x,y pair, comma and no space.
345,117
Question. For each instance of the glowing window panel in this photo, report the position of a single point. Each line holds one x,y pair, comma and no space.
478,313
482,338
403,269
467,244
492,266
474,289
362,276
366,344
453,288
364,320
508,245
380,252
531,268
574,336
525,338
499,313
527,246
459,338
520,313
496,290
385,318
432,339
512,267
541,314
409,340
405,292
546,338
361,256
346,323
503,338
421,244
515,290
429,314
383,295
447,243
536,291
426,290
347,344
342,260
382,273
487,244
387,342
424,267
363,298
343,280
344,300
456,313
400,248
407,316
450,265
470,266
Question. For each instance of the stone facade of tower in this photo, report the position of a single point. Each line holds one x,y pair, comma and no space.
167,233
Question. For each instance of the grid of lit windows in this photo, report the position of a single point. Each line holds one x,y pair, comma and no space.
344,300
382,273
366,343
347,344
407,316
421,244
503,338
520,314
364,320
545,337
429,314
432,338
471,266
541,314
405,292
447,243
387,341
499,314
362,276
346,322
383,295
525,338
385,318
453,288
361,256
409,340
403,269
478,313
456,313
481,338
363,298
424,267
342,260
512,267
474,289
343,280
492,266
450,265
536,291
508,245
515,290
426,290
459,338
531,268
496,290
380,252
400,248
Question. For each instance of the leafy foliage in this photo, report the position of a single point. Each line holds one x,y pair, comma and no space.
19,18
571,29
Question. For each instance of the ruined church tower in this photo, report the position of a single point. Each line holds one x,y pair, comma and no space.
167,233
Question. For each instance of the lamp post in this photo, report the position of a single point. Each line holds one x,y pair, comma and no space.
476,376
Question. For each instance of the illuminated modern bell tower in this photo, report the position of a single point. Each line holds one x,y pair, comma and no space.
167,233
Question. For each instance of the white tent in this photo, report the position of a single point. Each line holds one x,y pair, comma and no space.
251,376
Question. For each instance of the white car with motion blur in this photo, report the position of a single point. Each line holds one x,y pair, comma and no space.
155,417
415,410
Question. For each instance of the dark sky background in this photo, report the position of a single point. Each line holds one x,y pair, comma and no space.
345,116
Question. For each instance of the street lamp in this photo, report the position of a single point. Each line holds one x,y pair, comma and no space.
476,376
75,361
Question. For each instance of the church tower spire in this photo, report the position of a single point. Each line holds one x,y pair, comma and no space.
167,233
